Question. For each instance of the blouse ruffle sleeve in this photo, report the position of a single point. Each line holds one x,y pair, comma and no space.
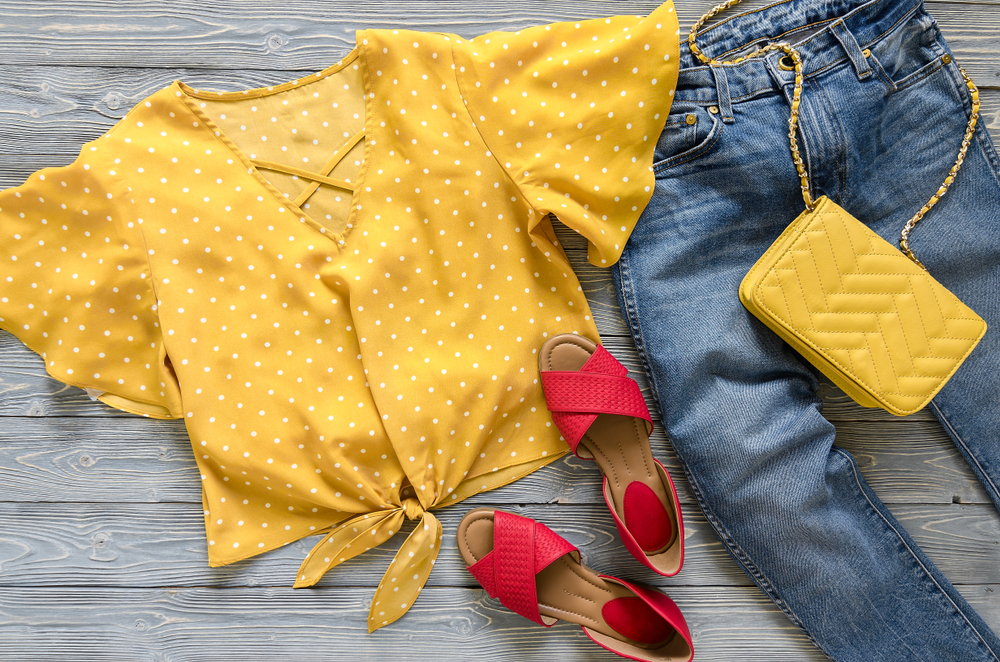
573,112
76,287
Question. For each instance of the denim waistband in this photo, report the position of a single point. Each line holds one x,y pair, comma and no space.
842,28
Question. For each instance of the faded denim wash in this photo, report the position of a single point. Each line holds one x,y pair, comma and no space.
879,134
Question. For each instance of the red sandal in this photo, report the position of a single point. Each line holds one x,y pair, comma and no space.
538,574
603,417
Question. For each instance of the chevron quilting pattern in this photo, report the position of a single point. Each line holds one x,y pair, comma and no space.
877,318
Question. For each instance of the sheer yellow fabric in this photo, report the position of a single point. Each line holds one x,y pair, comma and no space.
340,283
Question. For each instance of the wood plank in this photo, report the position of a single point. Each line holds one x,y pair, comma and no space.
70,573
906,462
962,540
163,545
446,624
296,35
27,390
985,600
135,460
53,110
128,545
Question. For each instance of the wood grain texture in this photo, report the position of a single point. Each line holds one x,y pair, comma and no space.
27,390
132,460
102,544
329,624
163,545
302,34
53,110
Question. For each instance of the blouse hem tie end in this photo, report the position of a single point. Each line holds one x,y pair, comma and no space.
408,571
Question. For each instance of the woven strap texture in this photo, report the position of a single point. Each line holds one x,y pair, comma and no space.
522,548
485,573
600,387
872,315
514,548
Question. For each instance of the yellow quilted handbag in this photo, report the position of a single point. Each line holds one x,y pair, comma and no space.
868,316
880,327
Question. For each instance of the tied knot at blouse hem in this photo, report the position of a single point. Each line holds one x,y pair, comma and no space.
410,567
340,284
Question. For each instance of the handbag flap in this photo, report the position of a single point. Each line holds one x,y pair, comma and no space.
876,318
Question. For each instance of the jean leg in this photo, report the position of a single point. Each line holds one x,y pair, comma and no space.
958,240
961,244
742,411
796,513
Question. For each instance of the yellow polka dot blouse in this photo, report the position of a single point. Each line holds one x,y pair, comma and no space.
341,283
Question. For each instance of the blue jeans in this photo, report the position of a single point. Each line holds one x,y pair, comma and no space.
879,132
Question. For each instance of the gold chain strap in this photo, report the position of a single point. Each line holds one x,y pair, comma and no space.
904,238
793,120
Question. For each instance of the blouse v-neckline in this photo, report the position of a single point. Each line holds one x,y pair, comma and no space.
188,96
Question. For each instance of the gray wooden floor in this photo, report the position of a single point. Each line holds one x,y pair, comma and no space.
102,547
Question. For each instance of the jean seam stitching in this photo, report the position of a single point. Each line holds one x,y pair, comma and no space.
738,553
883,75
919,75
961,442
635,328
909,14
989,151
799,27
743,558
965,99
842,142
697,152
806,153
854,472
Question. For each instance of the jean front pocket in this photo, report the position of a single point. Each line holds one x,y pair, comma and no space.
690,132
908,54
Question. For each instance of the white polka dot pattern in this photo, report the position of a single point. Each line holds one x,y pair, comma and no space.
75,284
573,111
348,325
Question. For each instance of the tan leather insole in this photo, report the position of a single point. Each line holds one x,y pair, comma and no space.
619,444
567,590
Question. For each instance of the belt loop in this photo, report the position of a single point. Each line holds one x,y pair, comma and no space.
722,91
851,47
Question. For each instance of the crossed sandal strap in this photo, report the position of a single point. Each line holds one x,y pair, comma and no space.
522,548
601,386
